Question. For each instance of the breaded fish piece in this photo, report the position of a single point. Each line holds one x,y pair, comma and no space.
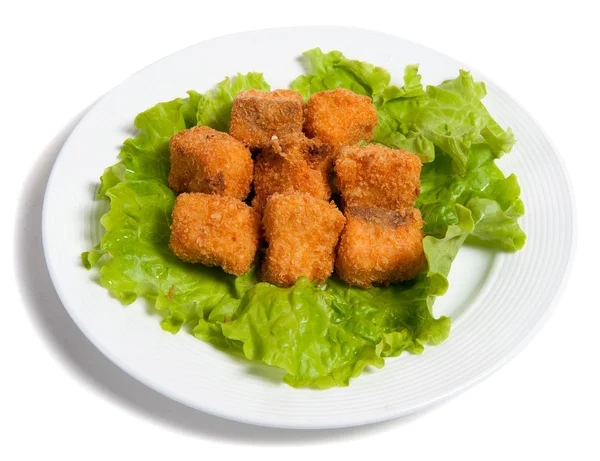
290,164
380,246
257,116
302,232
209,161
340,117
215,231
377,176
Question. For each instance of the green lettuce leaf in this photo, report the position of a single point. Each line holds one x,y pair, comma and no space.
492,198
333,70
450,115
392,128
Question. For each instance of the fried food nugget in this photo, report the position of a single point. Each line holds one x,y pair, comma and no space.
290,164
340,117
380,246
302,232
215,231
257,116
377,176
209,161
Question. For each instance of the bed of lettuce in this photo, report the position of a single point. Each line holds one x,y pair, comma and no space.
322,336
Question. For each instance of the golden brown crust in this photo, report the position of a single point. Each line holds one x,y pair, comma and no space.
302,232
215,231
340,117
377,176
257,116
371,252
209,161
292,163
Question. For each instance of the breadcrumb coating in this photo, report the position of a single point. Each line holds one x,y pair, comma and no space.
379,246
340,117
377,176
209,161
290,164
215,231
302,232
257,116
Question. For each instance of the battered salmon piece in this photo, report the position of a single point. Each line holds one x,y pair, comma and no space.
377,176
380,246
302,232
340,117
257,116
290,164
209,161
215,231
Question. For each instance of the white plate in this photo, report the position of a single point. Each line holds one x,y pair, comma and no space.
497,300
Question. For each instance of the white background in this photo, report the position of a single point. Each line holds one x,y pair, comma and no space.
60,396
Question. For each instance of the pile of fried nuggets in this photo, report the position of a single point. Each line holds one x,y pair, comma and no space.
376,241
